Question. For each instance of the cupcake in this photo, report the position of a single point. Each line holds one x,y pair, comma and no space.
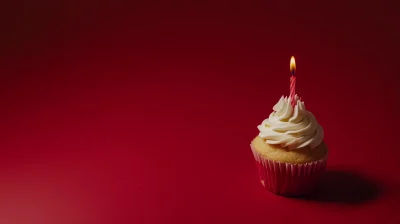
289,150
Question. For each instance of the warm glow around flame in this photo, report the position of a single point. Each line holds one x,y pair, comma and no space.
292,65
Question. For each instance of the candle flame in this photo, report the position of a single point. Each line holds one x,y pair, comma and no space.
292,65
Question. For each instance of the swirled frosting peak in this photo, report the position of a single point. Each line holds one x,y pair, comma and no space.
291,128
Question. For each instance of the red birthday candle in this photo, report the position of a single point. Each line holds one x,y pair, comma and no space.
292,82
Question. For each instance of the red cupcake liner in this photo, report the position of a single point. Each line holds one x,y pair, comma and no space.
288,179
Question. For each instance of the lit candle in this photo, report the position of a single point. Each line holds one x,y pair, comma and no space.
292,81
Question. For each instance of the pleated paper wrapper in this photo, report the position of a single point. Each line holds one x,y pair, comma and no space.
289,179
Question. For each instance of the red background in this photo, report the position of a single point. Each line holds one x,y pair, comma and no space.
143,112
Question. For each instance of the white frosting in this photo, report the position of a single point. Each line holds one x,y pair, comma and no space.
291,127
